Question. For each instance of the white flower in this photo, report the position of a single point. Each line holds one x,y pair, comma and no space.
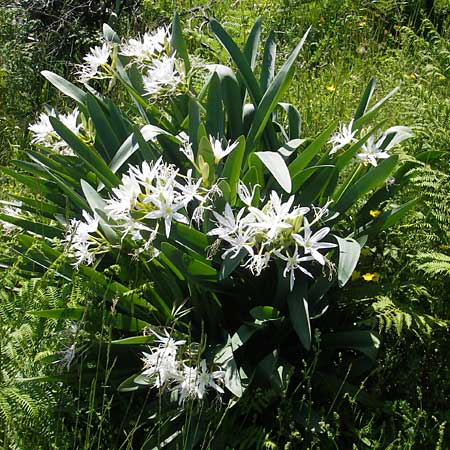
344,136
272,219
44,134
186,146
372,152
243,239
195,382
67,357
244,194
162,75
80,240
93,61
166,207
258,262
122,203
227,224
311,242
217,149
292,263
147,47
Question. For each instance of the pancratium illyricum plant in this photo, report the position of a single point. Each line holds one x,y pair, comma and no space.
204,210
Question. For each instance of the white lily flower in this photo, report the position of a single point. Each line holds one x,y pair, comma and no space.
344,136
293,262
93,61
311,242
372,152
217,149
257,263
119,207
162,75
244,194
228,224
146,48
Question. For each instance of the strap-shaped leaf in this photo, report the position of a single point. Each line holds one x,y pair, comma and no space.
252,44
363,341
294,120
233,167
35,227
87,154
371,180
66,87
277,167
268,62
178,44
365,99
273,94
214,110
239,59
299,313
349,252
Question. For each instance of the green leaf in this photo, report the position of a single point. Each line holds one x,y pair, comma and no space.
265,313
277,167
349,252
110,35
214,111
230,264
178,44
363,341
365,99
371,180
273,94
59,313
251,46
299,313
233,166
307,155
268,62
87,154
66,87
33,226
135,340
239,59
294,120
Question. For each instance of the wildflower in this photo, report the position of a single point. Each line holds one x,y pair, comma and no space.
67,357
372,152
93,62
374,213
217,149
330,88
311,242
292,263
257,263
244,194
375,277
186,146
227,224
124,199
147,47
162,75
344,136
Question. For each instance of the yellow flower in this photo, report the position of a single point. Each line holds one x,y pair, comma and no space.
356,275
331,88
375,213
362,24
443,247
375,277
440,77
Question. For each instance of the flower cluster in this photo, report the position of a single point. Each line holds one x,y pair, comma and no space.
44,134
162,72
164,368
373,149
277,230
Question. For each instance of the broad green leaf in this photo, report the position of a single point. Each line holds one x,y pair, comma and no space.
230,264
363,341
277,167
98,204
59,313
307,155
372,112
349,251
194,123
371,180
299,313
273,94
268,63
105,134
66,87
110,35
233,166
294,120
178,44
33,226
265,313
214,110
252,44
365,99
87,154
239,59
